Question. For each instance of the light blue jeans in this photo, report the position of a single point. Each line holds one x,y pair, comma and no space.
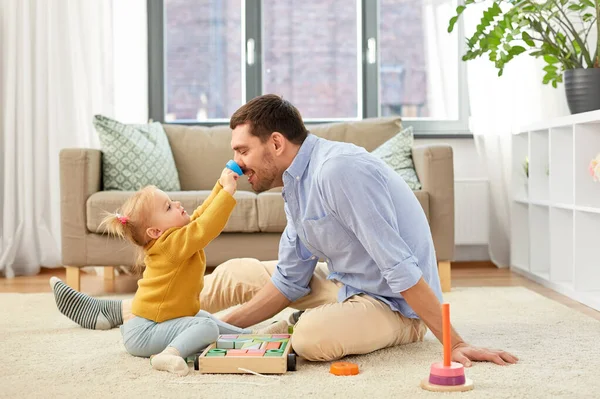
189,335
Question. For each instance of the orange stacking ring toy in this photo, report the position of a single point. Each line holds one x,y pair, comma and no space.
447,376
343,368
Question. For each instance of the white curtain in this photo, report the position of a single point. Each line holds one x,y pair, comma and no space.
440,46
55,74
499,106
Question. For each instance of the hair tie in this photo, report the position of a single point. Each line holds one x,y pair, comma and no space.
122,219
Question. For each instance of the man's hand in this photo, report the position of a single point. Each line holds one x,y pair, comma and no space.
426,305
465,353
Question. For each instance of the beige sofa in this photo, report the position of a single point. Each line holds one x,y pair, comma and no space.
257,222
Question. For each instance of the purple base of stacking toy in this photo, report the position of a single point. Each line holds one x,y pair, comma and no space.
437,380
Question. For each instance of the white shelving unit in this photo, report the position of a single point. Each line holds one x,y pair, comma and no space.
555,212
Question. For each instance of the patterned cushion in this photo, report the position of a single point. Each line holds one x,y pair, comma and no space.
397,153
134,156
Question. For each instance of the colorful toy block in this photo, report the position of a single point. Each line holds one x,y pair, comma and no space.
225,344
273,345
251,345
266,354
239,343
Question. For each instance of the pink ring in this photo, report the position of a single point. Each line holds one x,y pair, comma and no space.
455,369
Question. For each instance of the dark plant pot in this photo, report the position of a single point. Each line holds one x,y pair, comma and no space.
583,89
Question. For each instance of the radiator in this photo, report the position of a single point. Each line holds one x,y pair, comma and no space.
471,211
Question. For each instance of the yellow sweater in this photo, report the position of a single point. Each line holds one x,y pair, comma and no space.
175,262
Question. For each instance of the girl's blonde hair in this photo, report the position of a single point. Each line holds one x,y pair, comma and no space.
131,222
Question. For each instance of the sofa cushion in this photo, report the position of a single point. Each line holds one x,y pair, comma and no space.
244,218
271,215
200,154
368,133
134,156
397,153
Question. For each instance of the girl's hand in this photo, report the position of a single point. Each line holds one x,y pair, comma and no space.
228,180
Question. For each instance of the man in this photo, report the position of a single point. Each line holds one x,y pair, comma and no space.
379,284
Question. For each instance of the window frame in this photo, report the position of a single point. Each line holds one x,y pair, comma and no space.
368,72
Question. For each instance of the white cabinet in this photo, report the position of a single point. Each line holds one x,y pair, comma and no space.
555,211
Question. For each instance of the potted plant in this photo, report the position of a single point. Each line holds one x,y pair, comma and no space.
557,30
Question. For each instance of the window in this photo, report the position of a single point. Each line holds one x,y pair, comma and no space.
415,79
310,56
333,59
203,71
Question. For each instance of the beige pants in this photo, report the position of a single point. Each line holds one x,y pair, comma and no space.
327,330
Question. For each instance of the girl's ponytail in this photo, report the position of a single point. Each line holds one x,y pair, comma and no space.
116,225
131,222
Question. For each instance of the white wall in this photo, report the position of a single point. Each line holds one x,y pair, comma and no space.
471,199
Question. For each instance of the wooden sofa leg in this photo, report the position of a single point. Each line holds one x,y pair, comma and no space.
445,275
109,279
74,277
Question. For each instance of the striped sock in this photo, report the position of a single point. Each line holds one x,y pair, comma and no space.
88,312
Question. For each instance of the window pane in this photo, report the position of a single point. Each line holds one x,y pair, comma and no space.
310,55
419,59
203,78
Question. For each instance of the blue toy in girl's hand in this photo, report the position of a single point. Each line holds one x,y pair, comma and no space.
234,166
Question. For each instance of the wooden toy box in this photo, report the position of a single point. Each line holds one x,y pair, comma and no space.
265,354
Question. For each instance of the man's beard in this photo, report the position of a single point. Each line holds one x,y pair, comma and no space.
265,177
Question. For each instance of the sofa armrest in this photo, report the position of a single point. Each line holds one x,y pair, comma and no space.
80,177
435,169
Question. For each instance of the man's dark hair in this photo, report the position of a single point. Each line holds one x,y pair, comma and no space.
271,113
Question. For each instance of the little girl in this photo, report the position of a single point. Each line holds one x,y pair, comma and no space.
168,325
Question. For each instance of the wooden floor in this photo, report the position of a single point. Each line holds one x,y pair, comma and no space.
463,275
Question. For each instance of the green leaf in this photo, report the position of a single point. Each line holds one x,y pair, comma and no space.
495,9
588,3
550,68
460,9
527,39
575,7
554,84
550,59
516,50
493,41
499,32
452,23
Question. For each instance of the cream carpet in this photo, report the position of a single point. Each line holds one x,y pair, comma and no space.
43,354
